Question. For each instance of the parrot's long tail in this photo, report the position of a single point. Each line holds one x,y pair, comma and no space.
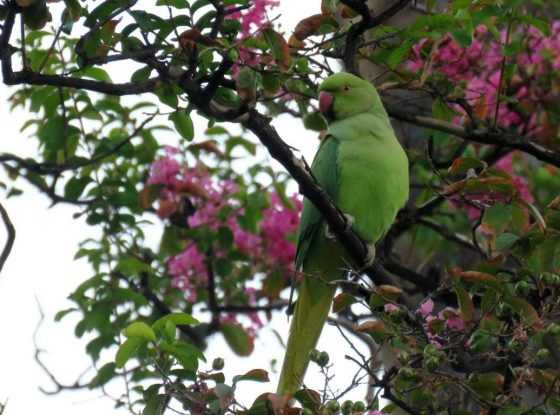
311,312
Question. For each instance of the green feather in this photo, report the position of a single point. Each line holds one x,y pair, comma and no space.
364,169
315,294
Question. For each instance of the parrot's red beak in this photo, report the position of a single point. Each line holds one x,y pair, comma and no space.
325,102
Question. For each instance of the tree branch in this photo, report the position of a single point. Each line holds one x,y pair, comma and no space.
368,22
11,236
483,135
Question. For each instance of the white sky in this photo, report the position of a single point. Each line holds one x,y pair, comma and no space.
41,267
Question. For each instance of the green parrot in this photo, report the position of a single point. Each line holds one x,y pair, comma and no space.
363,168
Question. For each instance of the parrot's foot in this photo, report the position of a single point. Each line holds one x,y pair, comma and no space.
328,234
370,257
349,220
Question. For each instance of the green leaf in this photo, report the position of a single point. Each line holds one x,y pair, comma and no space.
168,95
104,375
130,265
183,124
155,405
505,241
279,47
236,141
511,410
187,354
140,329
127,350
315,121
309,399
216,130
271,83
179,319
465,302
441,110
74,9
141,74
96,73
178,4
60,315
462,165
399,54
51,133
529,315
75,187
237,339
103,11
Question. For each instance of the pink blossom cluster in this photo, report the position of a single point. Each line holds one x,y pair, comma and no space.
251,19
254,17
269,248
532,89
189,271
450,316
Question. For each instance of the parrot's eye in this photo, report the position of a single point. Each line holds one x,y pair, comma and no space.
346,88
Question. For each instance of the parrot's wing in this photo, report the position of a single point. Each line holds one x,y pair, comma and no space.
325,169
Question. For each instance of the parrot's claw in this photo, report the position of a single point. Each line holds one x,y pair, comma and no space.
328,234
370,257
349,220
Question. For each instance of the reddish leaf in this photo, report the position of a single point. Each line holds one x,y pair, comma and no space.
210,146
342,301
309,26
389,292
190,37
529,315
279,47
371,327
257,375
463,164
476,276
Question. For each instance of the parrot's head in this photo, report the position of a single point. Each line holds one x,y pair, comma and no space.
343,95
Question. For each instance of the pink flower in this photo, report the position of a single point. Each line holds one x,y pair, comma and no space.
188,270
282,251
390,308
164,171
255,16
426,308
453,319
246,242
375,413
455,323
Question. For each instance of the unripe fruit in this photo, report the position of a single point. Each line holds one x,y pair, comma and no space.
347,407
323,359
333,406
218,363
359,406
314,355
